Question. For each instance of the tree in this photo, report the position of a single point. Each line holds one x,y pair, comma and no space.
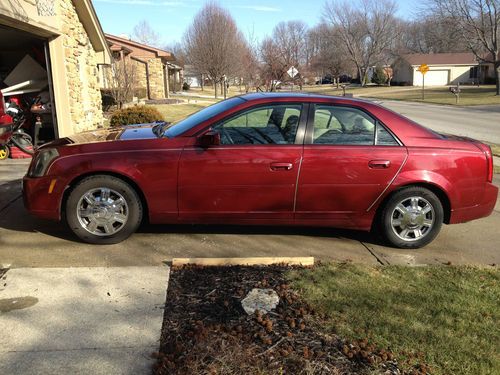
213,43
379,76
367,30
327,55
122,80
431,33
478,22
144,33
284,49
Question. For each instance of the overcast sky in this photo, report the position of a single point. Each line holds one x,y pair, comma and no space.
171,18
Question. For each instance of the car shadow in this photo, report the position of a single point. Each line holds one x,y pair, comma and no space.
14,217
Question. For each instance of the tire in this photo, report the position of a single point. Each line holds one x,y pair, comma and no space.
411,218
23,141
103,210
4,152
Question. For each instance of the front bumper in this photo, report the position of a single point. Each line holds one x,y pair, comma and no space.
483,209
42,201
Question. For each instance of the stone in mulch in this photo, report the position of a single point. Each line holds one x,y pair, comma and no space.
207,331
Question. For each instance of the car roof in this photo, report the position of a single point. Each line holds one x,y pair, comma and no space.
295,95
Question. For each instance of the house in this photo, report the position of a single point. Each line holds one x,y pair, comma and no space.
155,71
444,69
52,50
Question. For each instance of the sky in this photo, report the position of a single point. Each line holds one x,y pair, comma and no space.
254,17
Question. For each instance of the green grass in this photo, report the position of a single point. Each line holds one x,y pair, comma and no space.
450,314
176,112
470,95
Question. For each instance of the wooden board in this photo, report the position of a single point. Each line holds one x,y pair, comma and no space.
262,261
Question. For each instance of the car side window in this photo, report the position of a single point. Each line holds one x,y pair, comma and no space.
339,125
273,124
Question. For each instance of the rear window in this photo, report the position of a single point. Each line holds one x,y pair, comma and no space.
201,116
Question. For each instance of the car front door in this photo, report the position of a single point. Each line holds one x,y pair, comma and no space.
251,176
349,159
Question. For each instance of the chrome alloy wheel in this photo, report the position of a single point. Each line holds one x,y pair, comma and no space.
413,218
102,211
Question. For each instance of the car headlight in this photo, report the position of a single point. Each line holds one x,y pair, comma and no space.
42,161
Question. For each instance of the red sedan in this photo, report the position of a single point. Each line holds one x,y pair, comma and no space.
267,159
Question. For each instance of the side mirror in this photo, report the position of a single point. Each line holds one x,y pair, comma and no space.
210,138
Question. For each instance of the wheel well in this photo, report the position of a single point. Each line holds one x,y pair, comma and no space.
129,181
443,198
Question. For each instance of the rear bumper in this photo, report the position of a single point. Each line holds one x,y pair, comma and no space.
485,208
37,199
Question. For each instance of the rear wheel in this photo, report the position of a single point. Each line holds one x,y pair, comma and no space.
411,218
103,210
4,152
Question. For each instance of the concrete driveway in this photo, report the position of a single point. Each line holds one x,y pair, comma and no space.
29,242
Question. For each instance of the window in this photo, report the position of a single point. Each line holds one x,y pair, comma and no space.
275,124
339,125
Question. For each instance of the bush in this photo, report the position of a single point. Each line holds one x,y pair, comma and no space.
135,115
379,76
186,86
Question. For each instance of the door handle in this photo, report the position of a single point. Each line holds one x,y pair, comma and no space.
281,166
379,164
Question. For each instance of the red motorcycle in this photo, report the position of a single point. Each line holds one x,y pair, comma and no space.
12,133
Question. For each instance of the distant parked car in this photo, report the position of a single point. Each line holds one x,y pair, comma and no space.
267,159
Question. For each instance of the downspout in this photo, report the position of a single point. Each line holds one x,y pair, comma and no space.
148,93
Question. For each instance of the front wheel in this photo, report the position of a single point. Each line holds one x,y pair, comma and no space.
103,210
411,218
4,152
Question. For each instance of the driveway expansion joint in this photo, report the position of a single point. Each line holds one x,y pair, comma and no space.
380,261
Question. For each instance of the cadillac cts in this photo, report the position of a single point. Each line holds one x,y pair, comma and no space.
267,159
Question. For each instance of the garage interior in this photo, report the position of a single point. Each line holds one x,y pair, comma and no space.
25,80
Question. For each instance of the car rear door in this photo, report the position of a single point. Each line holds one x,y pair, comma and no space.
349,159
251,176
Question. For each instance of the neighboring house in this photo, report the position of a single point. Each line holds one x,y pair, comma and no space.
444,69
53,49
151,67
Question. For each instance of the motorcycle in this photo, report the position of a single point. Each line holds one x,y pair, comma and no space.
13,135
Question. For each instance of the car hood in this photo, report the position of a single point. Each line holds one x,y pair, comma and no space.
123,133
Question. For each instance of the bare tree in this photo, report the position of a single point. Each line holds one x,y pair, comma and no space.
122,80
431,33
213,43
284,49
367,30
479,24
327,55
145,34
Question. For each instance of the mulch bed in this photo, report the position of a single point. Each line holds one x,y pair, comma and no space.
206,331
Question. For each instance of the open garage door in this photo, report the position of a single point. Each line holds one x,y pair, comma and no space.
25,80
433,78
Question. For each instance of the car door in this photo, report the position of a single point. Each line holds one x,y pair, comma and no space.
349,159
252,175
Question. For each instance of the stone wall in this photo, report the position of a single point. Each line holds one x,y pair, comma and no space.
156,80
81,71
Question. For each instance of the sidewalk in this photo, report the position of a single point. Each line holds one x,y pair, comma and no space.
81,320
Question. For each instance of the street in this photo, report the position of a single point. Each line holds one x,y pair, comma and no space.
479,122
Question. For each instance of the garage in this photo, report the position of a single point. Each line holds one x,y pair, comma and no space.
433,78
25,82
50,57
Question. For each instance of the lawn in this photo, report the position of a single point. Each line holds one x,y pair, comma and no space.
444,316
470,95
176,112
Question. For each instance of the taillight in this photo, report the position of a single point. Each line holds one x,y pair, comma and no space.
489,155
489,160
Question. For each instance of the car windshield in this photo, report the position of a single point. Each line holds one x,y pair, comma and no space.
205,114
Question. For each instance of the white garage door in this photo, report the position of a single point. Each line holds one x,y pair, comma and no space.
432,78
